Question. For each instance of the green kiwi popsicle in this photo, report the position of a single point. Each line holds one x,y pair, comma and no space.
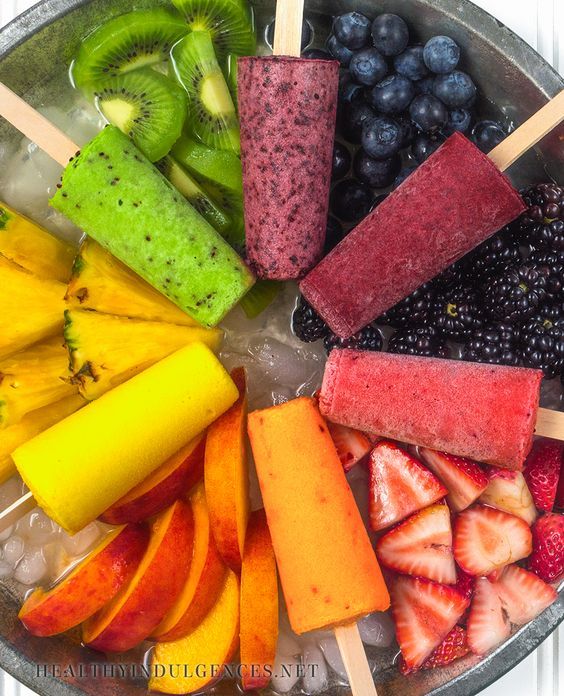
122,201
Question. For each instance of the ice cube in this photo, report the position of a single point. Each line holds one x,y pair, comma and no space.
82,541
332,654
32,568
315,669
377,629
37,527
13,550
285,673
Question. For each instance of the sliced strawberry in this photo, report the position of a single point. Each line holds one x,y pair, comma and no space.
486,539
488,624
495,575
453,647
421,545
424,613
547,560
542,470
559,500
464,479
465,584
523,595
508,491
399,485
351,445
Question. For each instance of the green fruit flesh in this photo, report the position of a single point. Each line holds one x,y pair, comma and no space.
260,296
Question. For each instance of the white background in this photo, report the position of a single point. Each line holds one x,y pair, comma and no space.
541,23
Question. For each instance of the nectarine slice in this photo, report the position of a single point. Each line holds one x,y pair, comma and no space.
226,477
205,579
196,661
93,583
135,612
160,489
259,605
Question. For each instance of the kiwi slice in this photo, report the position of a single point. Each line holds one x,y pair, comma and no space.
229,22
211,112
231,77
194,194
128,42
260,296
147,106
219,173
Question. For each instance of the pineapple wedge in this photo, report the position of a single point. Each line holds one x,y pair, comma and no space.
38,251
33,378
106,350
31,425
99,281
31,307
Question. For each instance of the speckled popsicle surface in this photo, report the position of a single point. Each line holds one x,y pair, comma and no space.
287,108
450,204
475,410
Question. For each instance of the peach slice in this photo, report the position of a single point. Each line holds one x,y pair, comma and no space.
259,605
227,477
135,612
90,585
196,661
205,580
160,489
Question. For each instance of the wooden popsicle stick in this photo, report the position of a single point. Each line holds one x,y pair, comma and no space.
36,127
288,28
355,660
550,424
17,509
529,133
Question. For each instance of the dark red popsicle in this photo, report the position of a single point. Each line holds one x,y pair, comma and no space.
450,204
287,108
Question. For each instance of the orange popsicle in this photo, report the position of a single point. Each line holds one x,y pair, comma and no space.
329,573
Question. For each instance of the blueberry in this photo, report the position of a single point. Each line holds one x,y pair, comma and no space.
441,54
456,89
488,134
425,145
409,130
341,161
355,115
428,113
425,86
376,173
333,234
382,137
458,120
352,30
351,200
402,176
348,90
410,63
391,96
338,51
316,54
367,67
390,34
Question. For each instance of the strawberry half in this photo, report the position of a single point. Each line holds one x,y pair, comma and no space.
421,545
424,613
486,539
454,646
559,500
508,491
399,485
547,560
523,595
488,623
542,471
464,479
351,445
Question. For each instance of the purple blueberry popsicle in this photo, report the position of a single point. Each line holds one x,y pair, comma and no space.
287,108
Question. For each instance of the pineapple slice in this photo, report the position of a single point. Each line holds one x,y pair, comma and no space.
106,350
99,281
31,307
31,425
24,242
33,378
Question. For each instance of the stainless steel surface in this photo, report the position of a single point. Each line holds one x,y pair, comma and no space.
39,45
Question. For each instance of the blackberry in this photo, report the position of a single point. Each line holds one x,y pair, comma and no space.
515,294
411,311
455,274
553,264
456,312
307,324
492,257
542,224
423,340
368,338
542,343
496,344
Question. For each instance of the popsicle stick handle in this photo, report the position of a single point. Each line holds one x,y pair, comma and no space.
355,660
18,509
288,27
36,127
529,134
550,424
